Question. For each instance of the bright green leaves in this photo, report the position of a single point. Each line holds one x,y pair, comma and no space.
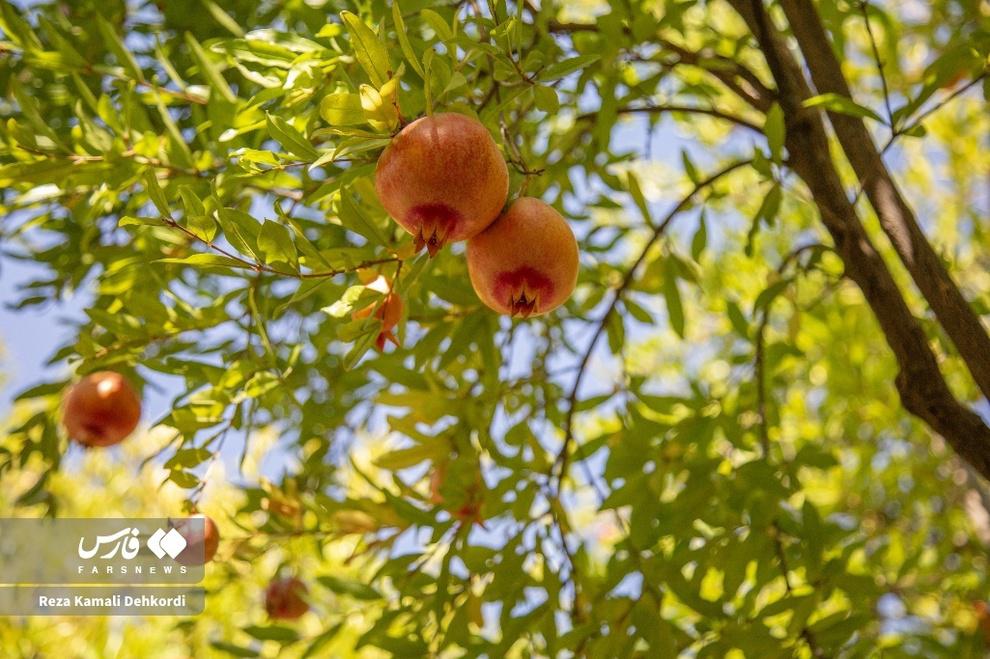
404,43
559,70
675,306
240,229
842,105
775,131
376,104
276,246
209,70
291,139
119,50
369,50
379,107
155,193
766,214
342,109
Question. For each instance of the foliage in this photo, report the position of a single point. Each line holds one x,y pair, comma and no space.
701,453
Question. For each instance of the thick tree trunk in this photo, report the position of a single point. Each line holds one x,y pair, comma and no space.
951,309
920,383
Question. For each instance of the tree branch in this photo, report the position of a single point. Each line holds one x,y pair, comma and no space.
739,79
922,388
953,312
687,109
564,455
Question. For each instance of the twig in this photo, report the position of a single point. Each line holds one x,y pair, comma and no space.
262,267
876,56
562,457
690,109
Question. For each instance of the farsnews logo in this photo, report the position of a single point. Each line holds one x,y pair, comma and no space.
126,545
171,543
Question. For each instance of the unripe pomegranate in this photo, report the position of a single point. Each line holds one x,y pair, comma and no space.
201,544
101,409
443,179
285,599
437,477
467,507
526,262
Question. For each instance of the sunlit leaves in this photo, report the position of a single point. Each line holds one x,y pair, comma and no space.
290,138
842,105
210,71
368,49
213,192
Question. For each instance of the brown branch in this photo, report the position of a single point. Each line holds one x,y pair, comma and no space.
564,455
922,388
739,79
951,308
688,109
865,9
262,267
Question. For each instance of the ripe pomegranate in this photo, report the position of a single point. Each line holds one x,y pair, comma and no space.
202,542
285,599
526,262
443,179
101,409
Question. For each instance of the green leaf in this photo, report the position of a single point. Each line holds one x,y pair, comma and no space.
775,131
354,219
346,303
342,109
275,243
640,200
409,457
192,204
675,308
568,66
223,18
183,479
361,346
39,390
837,103
404,44
188,458
435,21
240,229
195,218
206,261
738,319
209,70
291,139
546,99
771,205
156,193
117,47
700,239
130,220
368,49
272,633
233,650
355,589
689,167
769,294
